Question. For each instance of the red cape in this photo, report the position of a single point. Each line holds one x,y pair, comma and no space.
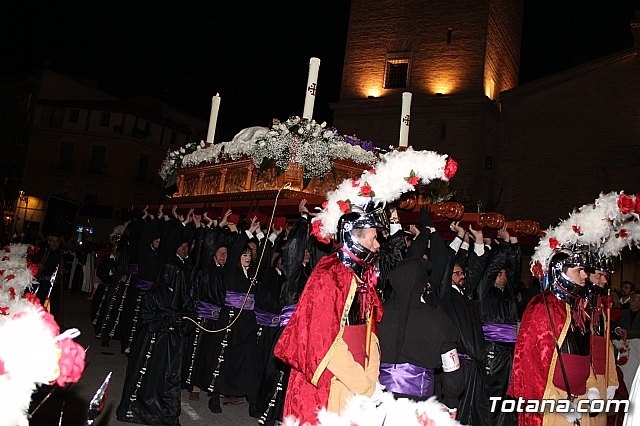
535,350
305,341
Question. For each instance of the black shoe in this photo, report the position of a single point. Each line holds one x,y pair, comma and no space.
214,404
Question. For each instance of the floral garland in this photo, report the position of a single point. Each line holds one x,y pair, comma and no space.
362,411
605,227
32,350
397,172
299,140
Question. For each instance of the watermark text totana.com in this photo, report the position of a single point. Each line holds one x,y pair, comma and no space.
522,405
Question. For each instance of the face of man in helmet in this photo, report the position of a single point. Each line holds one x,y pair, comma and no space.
368,238
577,274
599,278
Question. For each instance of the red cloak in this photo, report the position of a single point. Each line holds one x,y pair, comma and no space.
306,341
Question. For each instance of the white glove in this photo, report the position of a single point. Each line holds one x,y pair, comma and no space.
572,415
377,394
593,393
611,392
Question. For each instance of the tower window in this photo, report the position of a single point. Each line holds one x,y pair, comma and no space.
396,73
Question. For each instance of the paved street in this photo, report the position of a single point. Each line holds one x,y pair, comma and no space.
99,362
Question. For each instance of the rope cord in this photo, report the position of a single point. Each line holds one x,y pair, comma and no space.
253,279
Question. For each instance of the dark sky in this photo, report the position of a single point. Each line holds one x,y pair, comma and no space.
254,53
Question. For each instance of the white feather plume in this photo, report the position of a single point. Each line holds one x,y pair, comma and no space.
606,227
388,180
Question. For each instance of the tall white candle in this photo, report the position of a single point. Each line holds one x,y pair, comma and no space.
405,119
312,87
213,118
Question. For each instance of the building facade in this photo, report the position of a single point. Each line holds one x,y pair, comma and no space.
63,138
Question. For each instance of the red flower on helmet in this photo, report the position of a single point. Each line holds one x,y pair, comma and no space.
450,168
553,243
626,204
315,230
345,206
577,229
623,233
365,190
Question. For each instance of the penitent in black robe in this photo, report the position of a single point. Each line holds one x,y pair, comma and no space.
151,392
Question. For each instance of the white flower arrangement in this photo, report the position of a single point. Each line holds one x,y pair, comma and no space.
297,140
605,227
32,350
396,173
362,411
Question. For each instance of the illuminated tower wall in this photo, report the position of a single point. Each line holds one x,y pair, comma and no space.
454,57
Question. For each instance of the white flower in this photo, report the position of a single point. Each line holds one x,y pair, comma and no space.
297,140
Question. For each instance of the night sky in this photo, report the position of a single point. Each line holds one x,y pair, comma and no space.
254,54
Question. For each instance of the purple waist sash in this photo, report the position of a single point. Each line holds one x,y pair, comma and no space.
407,379
267,319
234,299
285,314
133,268
142,285
208,310
505,333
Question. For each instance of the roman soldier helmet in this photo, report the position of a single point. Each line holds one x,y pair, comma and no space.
561,285
369,216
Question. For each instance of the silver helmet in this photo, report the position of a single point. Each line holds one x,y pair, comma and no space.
561,285
367,217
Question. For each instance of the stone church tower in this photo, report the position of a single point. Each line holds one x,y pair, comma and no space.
455,57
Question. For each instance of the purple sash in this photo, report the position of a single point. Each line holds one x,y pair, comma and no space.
267,319
407,379
207,310
133,268
143,285
234,299
504,333
285,314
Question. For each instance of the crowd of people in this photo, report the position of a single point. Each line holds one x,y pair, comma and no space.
275,318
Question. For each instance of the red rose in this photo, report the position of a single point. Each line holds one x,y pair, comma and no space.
325,203
12,292
71,362
576,229
372,171
365,190
450,168
315,230
536,270
4,310
553,243
413,180
626,204
345,206
5,257
623,233
354,183
10,277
